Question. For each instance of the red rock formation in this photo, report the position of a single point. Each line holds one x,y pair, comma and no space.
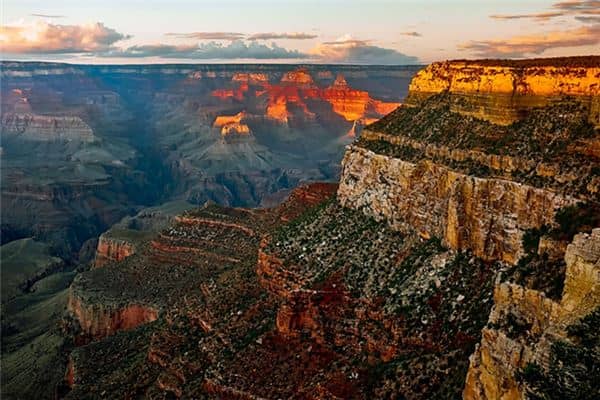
355,104
100,320
290,96
112,249
232,124
300,77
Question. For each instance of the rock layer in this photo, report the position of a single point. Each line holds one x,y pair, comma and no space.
112,249
506,349
501,93
487,216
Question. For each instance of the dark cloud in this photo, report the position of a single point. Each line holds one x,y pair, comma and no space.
212,50
47,16
273,36
539,16
591,19
231,36
522,46
413,34
563,8
209,35
579,6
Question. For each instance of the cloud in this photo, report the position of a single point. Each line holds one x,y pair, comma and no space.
521,46
47,38
212,50
231,36
588,19
561,9
354,51
413,34
272,36
47,16
539,16
579,6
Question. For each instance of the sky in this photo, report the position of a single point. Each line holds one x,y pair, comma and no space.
306,31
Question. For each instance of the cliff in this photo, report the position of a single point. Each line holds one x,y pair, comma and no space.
476,182
46,128
458,256
525,327
488,216
503,92
111,249
98,321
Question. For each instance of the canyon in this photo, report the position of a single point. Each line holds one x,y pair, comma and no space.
95,158
458,256
84,146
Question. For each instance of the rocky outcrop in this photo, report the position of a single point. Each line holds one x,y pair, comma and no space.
232,124
524,324
112,250
46,128
502,92
487,216
355,104
96,321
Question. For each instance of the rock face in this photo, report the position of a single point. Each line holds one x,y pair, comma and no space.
354,104
111,249
96,322
434,270
439,170
487,216
506,350
44,128
501,92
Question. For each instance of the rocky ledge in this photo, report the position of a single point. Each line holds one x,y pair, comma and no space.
476,182
530,338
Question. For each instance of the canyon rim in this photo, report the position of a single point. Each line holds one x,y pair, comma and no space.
270,200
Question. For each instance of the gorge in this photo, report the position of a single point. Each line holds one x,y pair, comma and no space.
457,256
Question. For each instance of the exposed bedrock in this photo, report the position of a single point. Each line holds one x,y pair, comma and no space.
487,216
98,320
112,249
501,93
524,326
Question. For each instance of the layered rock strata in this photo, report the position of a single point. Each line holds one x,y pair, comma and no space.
524,324
488,216
501,92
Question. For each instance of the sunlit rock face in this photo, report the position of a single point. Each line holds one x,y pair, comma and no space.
501,92
298,96
354,104
232,124
479,180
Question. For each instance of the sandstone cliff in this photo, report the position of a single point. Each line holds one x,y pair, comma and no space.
502,92
466,177
524,325
111,249
46,128
488,216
